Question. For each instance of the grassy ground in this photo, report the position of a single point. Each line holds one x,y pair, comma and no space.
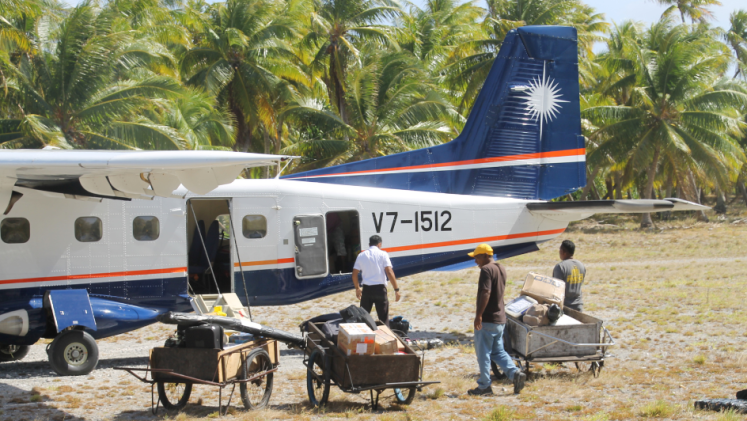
673,298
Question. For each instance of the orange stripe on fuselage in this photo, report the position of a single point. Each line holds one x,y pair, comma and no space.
265,262
95,275
427,246
473,240
279,261
521,157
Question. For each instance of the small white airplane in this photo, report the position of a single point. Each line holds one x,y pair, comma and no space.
97,243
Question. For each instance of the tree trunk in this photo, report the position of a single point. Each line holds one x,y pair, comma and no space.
701,215
589,183
720,207
608,185
267,145
646,221
243,131
618,186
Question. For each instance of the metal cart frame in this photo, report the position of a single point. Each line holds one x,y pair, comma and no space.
350,376
226,371
538,346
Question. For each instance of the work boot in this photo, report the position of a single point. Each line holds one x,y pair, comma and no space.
519,379
477,391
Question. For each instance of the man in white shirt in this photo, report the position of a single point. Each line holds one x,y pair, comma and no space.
376,268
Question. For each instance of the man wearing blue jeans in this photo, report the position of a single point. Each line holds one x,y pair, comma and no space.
490,319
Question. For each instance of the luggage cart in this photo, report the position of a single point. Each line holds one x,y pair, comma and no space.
327,365
174,371
587,342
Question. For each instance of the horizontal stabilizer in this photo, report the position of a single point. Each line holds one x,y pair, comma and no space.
574,211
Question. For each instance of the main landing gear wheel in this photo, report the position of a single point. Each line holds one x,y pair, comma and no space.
317,379
73,353
174,396
13,352
256,393
405,396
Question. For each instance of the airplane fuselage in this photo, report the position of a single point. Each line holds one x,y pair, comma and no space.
131,280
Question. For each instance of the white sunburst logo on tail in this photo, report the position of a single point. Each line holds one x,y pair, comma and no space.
543,99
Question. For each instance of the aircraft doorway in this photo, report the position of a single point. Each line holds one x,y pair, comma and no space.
209,250
343,240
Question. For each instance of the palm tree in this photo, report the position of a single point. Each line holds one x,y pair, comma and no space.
680,109
471,62
694,9
736,37
71,98
393,107
239,58
338,29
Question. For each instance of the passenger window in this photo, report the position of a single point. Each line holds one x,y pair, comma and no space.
88,229
15,230
254,226
146,228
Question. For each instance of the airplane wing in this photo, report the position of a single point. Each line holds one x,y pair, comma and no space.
125,175
574,211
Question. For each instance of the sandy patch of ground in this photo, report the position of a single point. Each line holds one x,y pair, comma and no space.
673,299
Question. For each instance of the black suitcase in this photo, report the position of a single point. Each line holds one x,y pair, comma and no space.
355,314
204,336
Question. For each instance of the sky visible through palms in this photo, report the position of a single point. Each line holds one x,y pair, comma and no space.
641,10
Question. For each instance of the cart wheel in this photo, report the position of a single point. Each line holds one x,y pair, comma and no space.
256,393
317,379
174,396
405,396
499,375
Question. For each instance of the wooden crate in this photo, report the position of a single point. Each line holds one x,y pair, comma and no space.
213,365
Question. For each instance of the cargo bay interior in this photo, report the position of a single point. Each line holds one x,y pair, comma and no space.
343,240
209,244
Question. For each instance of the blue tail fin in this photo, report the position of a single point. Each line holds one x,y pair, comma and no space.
522,139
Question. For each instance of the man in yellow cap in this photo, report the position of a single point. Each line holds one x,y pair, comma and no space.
490,319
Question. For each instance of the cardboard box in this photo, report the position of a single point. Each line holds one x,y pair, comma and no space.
356,339
385,343
544,289
400,344
519,305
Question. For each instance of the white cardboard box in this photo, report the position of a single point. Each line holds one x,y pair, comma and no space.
519,305
356,339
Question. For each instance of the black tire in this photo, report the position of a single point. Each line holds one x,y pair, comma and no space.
174,396
256,393
13,352
405,396
317,379
73,353
499,375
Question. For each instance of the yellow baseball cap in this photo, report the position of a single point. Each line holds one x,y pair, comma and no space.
481,249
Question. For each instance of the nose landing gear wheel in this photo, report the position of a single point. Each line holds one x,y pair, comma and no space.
73,353
13,352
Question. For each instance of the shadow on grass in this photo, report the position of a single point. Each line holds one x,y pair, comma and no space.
19,405
333,408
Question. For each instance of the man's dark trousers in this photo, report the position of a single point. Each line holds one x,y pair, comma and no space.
376,295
